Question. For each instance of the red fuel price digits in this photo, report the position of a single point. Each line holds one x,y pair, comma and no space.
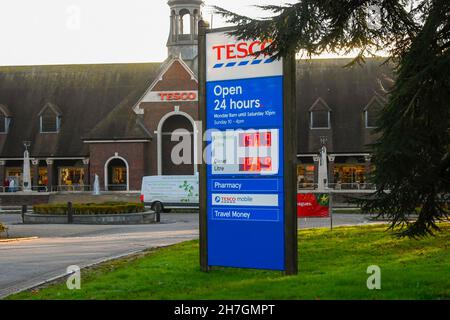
257,139
255,164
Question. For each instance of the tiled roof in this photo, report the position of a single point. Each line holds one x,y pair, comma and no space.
84,95
347,92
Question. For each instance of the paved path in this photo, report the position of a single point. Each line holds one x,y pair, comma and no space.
24,264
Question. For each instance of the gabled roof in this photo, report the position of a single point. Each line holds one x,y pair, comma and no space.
121,123
56,110
377,101
320,105
5,110
165,67
347,90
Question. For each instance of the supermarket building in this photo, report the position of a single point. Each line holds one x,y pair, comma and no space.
118,121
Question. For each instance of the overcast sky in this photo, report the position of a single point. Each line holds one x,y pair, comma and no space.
93,31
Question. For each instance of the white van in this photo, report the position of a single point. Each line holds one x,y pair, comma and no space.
170,192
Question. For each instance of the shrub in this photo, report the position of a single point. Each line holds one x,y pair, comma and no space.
90,208
3,228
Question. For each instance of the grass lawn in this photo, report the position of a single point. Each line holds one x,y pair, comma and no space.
332,265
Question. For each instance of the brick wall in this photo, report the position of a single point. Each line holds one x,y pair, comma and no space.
142,158
134,153
175,78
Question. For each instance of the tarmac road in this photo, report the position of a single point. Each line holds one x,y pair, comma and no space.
24,264
27,263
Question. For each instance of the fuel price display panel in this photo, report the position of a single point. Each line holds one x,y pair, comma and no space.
245,183
254,152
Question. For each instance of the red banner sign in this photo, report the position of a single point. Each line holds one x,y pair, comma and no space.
313,205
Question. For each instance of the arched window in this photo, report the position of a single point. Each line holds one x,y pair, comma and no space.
176,131
185,20
320,115
177,135
50,119
5,119
117,174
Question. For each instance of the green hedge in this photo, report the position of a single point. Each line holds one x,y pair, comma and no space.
90,208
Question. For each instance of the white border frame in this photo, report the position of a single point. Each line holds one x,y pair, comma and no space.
366,120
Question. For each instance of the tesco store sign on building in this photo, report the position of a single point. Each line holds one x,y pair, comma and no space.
171,96
244,174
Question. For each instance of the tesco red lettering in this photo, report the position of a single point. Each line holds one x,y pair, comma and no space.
219,51
251,47
242,50
176,96
238,51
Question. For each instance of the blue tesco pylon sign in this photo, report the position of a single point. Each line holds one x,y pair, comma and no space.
245,174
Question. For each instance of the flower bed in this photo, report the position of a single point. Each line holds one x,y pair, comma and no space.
90,208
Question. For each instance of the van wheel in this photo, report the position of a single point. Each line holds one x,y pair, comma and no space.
157,207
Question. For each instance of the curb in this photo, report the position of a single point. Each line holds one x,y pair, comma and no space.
18,239
141,218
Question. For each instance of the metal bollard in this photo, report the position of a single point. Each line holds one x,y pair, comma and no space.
157,217
24,210
69,213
